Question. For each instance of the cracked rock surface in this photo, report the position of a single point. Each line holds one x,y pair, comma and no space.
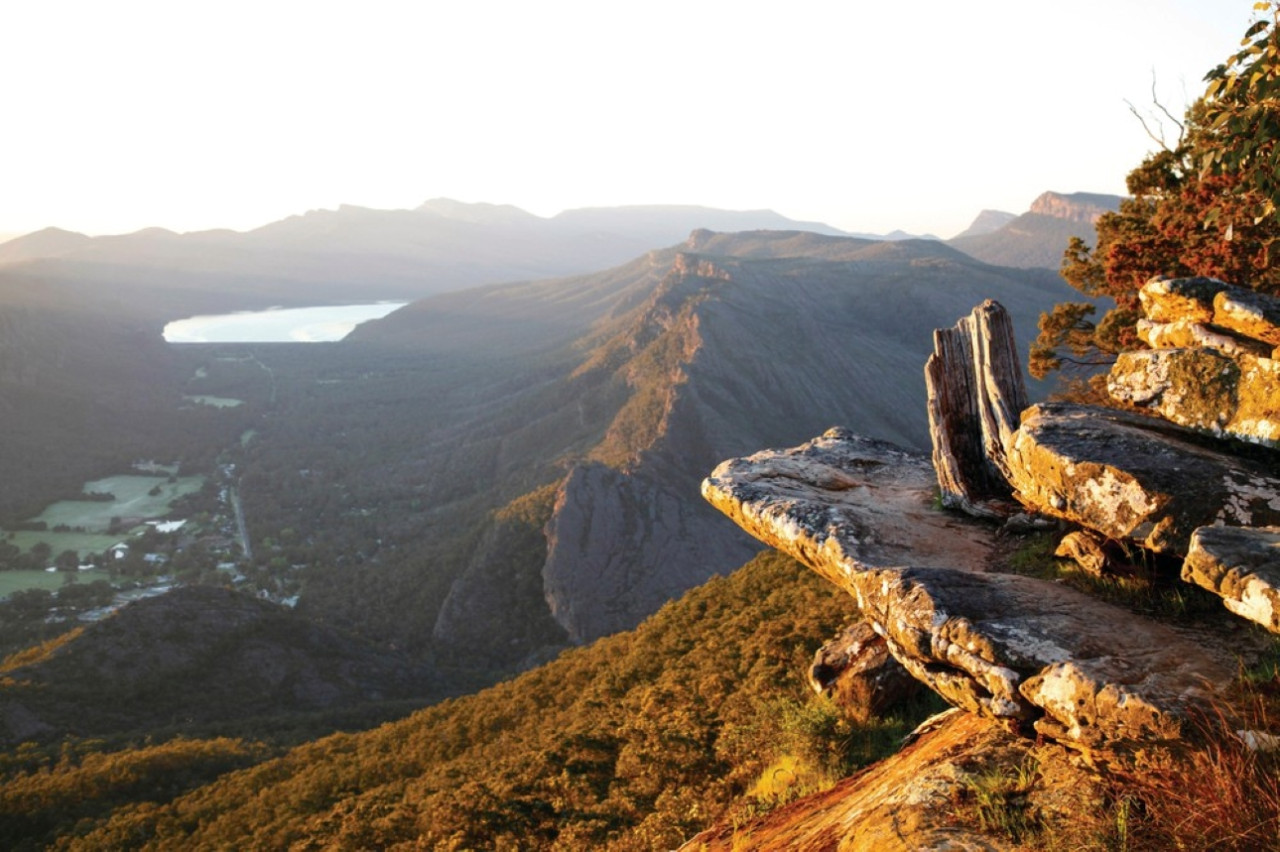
1242,566
860,512
1136,478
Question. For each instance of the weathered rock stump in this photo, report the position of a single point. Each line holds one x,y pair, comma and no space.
975,392
857,672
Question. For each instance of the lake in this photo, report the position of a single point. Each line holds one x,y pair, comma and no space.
277,325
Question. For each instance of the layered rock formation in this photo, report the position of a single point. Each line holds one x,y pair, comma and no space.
1169,484
1035,654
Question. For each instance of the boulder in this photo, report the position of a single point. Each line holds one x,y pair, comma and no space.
1185,334
975,392
1242,566
1248,312
1086,549
1203,389
1027,651
1137,478
859,674
1173,299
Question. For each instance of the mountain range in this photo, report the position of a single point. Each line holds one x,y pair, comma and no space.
510,466
503,469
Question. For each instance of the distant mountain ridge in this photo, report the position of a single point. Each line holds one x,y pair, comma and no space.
354,253
1038,237
357,253
685,355
987,222
1075,206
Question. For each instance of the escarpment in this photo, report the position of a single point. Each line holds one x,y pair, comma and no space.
1189,474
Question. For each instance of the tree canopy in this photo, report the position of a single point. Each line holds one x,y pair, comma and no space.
1204,204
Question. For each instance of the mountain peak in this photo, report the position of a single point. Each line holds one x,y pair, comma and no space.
47,242
478,213
987,222
1075,206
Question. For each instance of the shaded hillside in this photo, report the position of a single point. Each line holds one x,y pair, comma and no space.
632,743
194,659
617,391
1038,237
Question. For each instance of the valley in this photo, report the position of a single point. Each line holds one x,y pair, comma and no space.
483,477
453,494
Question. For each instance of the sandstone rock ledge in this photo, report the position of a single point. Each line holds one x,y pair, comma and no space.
1013,648
1136,478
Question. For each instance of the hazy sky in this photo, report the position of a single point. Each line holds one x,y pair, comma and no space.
867,115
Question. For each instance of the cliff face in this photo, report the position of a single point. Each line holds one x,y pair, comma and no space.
1075,206
1038,236
734,350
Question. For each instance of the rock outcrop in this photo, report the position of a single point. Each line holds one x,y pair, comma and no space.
858,673
1205,389
1172,484
1211,366
1242,566
1136,478
1032,653
975,393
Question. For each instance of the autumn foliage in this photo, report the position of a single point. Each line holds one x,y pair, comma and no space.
1204,205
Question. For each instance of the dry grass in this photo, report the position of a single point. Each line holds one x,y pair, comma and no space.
1220,794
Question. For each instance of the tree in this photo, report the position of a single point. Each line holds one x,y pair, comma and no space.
1195,210
1243,113
40,553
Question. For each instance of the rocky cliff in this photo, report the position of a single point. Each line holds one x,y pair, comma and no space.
733,350
1036,238
1075,206
1092,676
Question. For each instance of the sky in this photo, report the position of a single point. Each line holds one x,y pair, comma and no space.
869,116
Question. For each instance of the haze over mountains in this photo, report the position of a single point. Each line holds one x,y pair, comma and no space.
356,253
616,390
503,468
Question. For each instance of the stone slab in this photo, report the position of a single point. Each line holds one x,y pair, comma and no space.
860,513
1242,566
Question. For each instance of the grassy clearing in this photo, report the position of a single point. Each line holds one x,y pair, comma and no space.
133,500
215,401
82,543
13,581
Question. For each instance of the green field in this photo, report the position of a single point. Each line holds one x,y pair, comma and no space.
132,501
13,581
82,543
215,401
